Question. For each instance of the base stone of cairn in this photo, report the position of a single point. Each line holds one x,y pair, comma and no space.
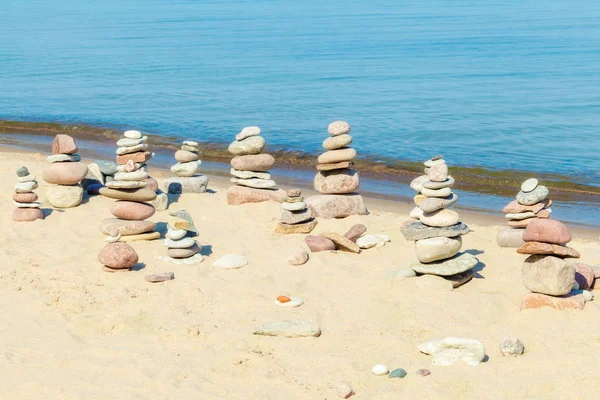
133,189
182,248
336,180
65,172
250,170
531,203
188,162
295,217
28,208
437,234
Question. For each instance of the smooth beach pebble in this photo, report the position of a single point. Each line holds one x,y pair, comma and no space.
398,373
344,391
529,185
132,134
22,171
423,372
293,302
160,277
231,261
283,299
380,369
338,128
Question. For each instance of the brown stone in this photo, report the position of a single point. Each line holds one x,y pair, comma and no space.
355,232
515,208
547,248
132,210
25,197
340,165
336,205
113,227
255,162
318,243
63,144
568,302
547,231
237,195
460,279
27,214
129,194
138,157
521,223
65,173
293,192
584,275
305,227
118,255
341,242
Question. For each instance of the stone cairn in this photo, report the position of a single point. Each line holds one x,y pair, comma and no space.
250,170
295,217
438,232
188,162
132,188
65,172
182,248
336,180
531,203
28,209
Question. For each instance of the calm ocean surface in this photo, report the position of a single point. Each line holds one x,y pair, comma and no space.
501,84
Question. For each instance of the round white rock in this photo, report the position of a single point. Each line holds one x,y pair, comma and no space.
529,185
380,369
132,134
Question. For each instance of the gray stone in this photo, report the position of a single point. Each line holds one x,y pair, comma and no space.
418,231
539,194
437,248
510,238
255,183
520,216
131,149
445,192
63,158
187,169
288,329
183,243
548,275
128,142
160,277
529,185
417,183
191,143
432,204
22,171
230,261
249,174
397,373
455,265
298,206
179,185
24,187
126,184
336,205
295,217
248,146
511,346
336,142
403,273
439,185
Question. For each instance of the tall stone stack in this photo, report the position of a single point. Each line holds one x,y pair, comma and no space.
65,172
437,234
28,208
182,248
250,170
132,188
187,180
295,217
531,203
336,180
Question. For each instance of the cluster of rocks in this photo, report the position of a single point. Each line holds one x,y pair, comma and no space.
437,234
132,188
531,203
352,241
250,170
553,281
295,217
26,201
188,163
336,180
65,172
182,248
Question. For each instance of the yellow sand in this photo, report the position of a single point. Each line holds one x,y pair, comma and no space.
71,331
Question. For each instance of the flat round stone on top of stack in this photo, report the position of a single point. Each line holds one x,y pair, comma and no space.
337,181
65,172
437,234
28,208
531,203
250,170
182,248
188,163
295,217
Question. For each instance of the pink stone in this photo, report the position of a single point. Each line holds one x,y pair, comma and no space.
584,276
152,184
65,173
547,231
132,210
237,195
355,232
318,243
130,166
438,173
255,162
568,302
139,157
118,255
25,197
27,214
63,144
514,207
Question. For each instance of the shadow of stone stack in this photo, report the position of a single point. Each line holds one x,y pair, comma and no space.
187,180
337,182
250,170
531,203
28,208
182,248
437,234
295,217
65,172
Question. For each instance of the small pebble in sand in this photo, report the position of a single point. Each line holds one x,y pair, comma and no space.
398,373
423,372
344,390
511,346
289,302
160,277
380,369
283,299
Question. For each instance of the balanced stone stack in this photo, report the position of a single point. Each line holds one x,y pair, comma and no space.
65,172
132,188
182,248
188,162
532,203
28,208
438,232
336,180
250,170
545,271
295,217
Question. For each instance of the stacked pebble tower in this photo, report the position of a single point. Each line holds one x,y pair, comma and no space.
438,232
250,170
188,162
28,209
336,180
295,217
65,172
531,203
182,248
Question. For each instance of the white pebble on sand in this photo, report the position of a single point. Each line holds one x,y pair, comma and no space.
380,369
230,261
293,303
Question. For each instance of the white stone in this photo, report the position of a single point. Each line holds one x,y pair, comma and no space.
417,183
127,142
63,158
294,206
190,143
126,184
249,174
511,346
255,183
587,296
529,185
451,349
25,187
184,243
138,175
187,169
444,192
520,216
230,261
380,369
369,241
247,132
176,234
131,149
27,205
293,303
416,213
161,202
132,134
430,163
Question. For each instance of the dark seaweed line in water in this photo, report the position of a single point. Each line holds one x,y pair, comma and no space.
469,178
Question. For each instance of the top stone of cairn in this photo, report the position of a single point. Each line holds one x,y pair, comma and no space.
132,134
338,128
247,132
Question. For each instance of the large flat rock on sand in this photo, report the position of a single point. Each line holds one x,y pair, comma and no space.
288,329
336,205
237,195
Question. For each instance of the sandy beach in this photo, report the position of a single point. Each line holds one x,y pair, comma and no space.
72,331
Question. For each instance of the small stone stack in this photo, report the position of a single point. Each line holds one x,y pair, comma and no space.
182,248
531,203
336,180
188,162
295,217
545,271
28,209
65,172
250,170
438,233
132,188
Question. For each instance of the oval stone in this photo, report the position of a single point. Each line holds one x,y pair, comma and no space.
547,231
187,169
336,142
138,175
250,145
337,181
440,218
537,195
431,204
338,128
25,197
63,196
184,156
132,134
114,226
438,173
65,173
337,156
151,184
444,192
437,248
118,255
258,162
131,194
247,132
529,185
132,210
63,144
27,214
185,253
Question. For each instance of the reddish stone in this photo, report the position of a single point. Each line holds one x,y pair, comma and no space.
254,162
515,208
547,248
543,214
318,243
118,255
65,173
138,157
237,195
355,232
521,223
27,214
152,184
132,210
568,302
584,276
63,144
25,197
547,231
